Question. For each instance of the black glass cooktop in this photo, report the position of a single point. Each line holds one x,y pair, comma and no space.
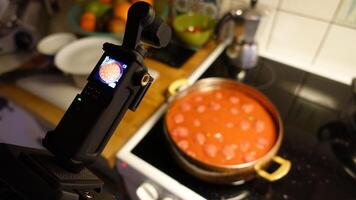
306,103
168,54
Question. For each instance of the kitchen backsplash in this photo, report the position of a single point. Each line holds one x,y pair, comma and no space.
318,36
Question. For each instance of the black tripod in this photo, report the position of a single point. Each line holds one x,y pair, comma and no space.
35,174
117,83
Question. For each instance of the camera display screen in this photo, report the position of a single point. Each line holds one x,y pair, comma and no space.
110,71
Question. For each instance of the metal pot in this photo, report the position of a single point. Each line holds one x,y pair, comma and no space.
230,174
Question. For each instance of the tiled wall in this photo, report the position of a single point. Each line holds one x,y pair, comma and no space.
318,36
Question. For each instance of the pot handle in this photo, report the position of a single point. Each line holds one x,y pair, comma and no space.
177,85
282,170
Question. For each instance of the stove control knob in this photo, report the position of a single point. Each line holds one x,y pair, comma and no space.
147,191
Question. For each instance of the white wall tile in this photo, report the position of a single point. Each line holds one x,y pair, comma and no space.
322,9
264,30
268,3
261,4
338,53
296,38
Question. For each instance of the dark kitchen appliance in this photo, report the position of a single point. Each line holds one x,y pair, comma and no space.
305,101
168,54
341,135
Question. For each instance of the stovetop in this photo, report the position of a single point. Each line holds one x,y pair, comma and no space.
306,103
168,54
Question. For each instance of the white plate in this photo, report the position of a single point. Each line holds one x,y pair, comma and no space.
81,56
51,44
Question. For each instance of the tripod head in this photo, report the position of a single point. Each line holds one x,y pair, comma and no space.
117,83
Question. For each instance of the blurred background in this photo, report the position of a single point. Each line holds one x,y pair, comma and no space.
317,36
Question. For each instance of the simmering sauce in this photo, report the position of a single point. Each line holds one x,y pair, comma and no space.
221,127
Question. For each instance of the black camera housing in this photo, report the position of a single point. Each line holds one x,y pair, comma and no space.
91,119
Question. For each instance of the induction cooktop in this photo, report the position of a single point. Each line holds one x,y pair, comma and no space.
168,54
306,103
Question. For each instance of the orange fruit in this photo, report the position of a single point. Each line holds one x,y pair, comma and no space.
88,21
147,1
121,10
88,16
115,2
116,25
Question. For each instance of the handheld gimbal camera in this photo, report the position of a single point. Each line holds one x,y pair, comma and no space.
117,83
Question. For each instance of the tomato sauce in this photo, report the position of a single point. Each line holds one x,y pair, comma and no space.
221,127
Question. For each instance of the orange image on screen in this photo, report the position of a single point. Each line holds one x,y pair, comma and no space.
221,127
110,72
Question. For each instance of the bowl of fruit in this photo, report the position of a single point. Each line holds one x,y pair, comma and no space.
100,17
194,29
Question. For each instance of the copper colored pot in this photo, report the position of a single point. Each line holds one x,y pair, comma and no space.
230,174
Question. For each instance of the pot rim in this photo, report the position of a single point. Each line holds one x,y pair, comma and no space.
207,84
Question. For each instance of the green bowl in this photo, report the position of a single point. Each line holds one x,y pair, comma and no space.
182,24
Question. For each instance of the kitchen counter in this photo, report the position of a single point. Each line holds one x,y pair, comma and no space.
156,95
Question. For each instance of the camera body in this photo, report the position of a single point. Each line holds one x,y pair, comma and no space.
118,83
